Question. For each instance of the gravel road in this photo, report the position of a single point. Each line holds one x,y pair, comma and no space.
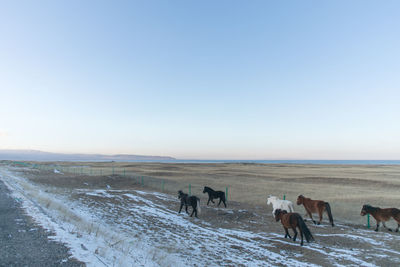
24,243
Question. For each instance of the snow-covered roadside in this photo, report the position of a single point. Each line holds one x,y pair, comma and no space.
90,240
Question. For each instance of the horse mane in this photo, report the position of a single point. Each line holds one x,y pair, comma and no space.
278,211
208,188
303,197
368,207
181,194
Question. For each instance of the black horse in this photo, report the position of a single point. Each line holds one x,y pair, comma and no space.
189,201
214,194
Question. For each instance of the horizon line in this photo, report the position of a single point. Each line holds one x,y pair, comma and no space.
203,159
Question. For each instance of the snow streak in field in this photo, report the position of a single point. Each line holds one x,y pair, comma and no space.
191,242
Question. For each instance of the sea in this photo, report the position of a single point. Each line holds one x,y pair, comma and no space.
311,162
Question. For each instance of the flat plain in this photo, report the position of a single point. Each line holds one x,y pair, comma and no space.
345,187
121,213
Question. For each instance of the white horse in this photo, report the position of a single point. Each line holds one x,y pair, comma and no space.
280,204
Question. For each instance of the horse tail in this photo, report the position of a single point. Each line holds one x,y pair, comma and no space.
303,227
328,210
198,204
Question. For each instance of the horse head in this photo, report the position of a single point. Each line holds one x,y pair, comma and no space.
278,214
270,198
365,209
208,190
300,200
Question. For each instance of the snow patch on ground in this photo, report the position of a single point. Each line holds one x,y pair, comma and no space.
57,171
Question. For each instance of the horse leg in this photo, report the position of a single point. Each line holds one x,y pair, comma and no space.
212,200
320,216
377,226
187,209
398,226
220,200
208,200
301,235
384,225
309,214
224,203
287,233
295,233
180,209
291,208
193,211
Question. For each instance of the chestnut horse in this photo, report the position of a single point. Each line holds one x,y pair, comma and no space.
382,215
315,206
293,220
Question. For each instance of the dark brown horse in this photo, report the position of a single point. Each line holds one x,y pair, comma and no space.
293,220
214,194
382,215
187,200
315,206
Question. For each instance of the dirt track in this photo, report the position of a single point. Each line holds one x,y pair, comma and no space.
24,243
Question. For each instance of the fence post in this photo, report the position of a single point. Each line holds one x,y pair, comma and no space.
368,225
284,197
226,194
190,189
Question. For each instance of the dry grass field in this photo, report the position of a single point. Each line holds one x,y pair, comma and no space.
345,187
123,217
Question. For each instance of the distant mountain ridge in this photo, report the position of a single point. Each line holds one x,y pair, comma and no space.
36,155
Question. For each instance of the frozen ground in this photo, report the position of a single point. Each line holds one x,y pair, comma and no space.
136,227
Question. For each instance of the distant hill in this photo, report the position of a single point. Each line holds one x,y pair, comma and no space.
35,155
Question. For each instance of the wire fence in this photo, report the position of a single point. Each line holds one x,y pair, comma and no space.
163,185
156,183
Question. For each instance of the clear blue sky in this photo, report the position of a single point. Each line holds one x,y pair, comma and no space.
202,79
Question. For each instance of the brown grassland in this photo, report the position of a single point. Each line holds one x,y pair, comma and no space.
345,187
